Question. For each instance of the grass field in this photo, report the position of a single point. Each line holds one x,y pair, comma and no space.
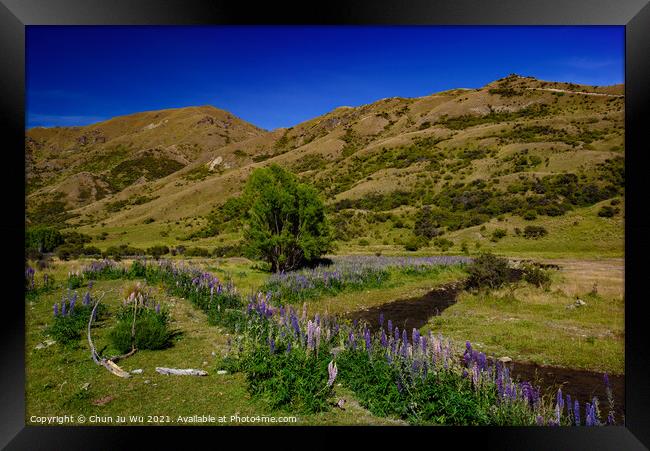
526,324
531,324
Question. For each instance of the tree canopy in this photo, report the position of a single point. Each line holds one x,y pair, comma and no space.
286,223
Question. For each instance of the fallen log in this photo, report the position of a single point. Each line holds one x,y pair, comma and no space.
181,372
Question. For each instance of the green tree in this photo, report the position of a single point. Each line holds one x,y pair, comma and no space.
286,222
43,239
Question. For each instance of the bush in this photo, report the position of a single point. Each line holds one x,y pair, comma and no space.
197,252
158,251
488,270
443,244
498,234
68,251
425,223
530,215
607,212
151,330
413,244
534,232
67,329
293,380
533,274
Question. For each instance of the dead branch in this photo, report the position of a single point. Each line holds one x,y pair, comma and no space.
181,372
106,363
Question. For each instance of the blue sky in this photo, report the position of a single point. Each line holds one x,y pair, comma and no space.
280,76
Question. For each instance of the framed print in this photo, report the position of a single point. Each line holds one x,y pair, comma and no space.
362,216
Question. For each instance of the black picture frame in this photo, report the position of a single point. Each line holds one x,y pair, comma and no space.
633,14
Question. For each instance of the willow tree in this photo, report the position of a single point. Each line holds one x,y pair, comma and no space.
286,223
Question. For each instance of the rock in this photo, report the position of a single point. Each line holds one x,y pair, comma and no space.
222,372
505,359
138,371
40,346
85,386
147,381
214,354
205,363
580,303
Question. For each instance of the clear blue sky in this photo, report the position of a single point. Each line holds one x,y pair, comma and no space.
281,76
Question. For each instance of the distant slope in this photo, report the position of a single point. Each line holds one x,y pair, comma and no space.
390,156
80,165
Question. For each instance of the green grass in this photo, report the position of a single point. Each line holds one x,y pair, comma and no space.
532,325
55,376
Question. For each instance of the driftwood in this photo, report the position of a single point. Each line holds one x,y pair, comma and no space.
106,363
181,372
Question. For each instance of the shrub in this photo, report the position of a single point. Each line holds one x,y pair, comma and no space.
294,379
197,252
498,234
443,244
68,251
535,275
158,251
425,223
530,215
607,211
363,242
151,329
534,232
488,270
70,322
413,244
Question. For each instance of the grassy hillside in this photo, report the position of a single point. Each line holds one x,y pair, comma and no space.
514,153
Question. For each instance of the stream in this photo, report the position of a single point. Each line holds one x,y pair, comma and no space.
580,384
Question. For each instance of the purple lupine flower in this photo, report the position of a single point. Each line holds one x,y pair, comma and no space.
606,380
90,285
63,307
539,420
390,325
415,336
399,386
289,348
381,320
465,373
272,345
158,308
366,336
332,371
610,419
576,412
588,415
396,333
310,335
423,344
86,298
405,339
351,341
559,402
383,340
56,309
295,325
594,412
393,346
482,361
569,407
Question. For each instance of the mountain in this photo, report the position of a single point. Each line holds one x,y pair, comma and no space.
529,144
